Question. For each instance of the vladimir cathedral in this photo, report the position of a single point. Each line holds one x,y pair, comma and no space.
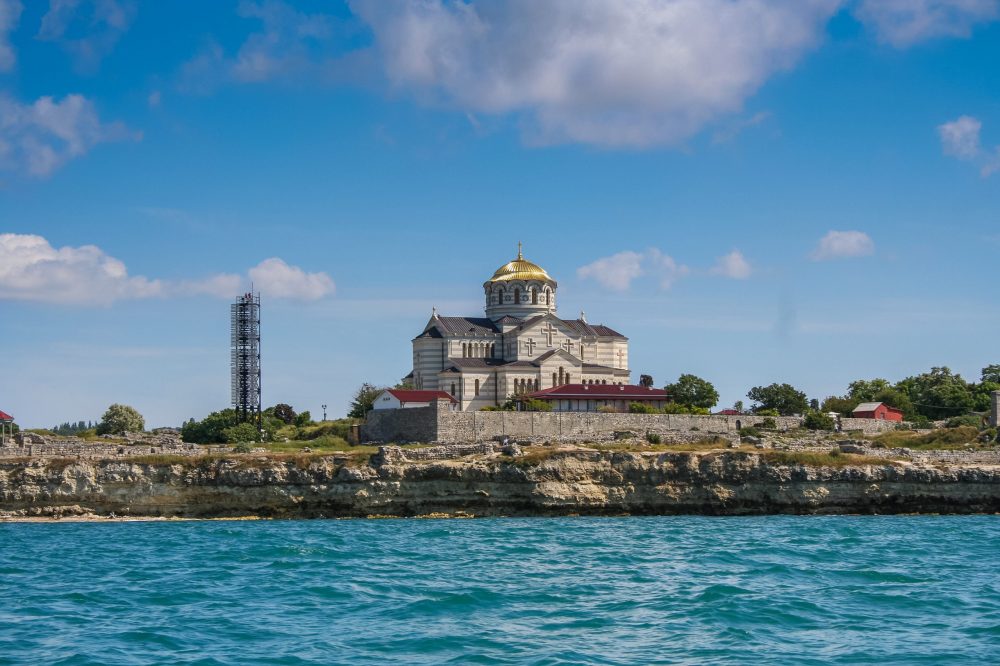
519,347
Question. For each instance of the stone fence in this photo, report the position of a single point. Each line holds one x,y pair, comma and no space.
29,444
437,423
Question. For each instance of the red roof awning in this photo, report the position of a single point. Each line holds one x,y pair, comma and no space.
4,416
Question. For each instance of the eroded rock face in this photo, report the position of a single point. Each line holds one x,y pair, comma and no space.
556,483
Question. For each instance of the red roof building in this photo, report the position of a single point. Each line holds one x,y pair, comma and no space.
591,397
407,398
877,410
729,412
6,427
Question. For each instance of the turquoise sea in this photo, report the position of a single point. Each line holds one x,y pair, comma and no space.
670,590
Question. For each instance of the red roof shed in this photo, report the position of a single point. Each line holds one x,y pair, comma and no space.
877,410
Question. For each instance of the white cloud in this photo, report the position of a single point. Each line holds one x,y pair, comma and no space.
102,23
289,43
616,74
274,278
843,244
39,138
10,13
614,272
32,270
619,270
903,23
960,137
733,265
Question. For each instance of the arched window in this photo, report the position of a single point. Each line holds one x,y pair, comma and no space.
554,379
604,381
465,350
536,383
453,388
500,297
477,387
534,296
567,379
517,295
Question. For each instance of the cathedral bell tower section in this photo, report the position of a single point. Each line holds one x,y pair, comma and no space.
520,289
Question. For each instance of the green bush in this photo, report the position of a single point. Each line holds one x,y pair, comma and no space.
653,438
768,423
974,420
749,431
641,408
242,447
767,412
818,421
242,432
120,419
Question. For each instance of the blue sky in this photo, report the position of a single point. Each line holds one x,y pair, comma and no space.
751,191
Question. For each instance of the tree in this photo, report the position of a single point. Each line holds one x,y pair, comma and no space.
212,429
991,373
938,394
864,390
303,419
814,405
784,398
646,380
364,400
242,432
693,391
284,412
120,419
839,404
738,406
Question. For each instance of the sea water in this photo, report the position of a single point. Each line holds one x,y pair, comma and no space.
684,590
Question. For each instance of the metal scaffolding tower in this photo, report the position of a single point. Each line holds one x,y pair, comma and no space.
244,357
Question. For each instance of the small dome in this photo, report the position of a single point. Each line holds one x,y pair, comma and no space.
520,269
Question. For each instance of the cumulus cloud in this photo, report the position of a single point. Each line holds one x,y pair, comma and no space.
733,265
39,138
842,245
615,74
274,278
10,12
960,139
617,271
903,23
99,24
31,269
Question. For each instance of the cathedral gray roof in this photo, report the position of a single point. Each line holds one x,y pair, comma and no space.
466,325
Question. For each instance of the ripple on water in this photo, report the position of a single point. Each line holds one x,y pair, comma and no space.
768,590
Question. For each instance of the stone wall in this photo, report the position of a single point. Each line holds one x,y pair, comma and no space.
995,409
437,423
29,444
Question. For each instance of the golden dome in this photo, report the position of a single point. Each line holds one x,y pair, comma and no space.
520,269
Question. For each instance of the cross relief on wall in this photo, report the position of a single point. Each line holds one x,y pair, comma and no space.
530,345
568,345
549,331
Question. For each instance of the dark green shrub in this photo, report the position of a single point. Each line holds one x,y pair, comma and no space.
767,412
974,420
818,421
242,447
768,423
653,438
749,431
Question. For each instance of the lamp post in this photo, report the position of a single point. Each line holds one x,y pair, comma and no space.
324,411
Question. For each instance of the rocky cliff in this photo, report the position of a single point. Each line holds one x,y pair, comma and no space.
539,482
